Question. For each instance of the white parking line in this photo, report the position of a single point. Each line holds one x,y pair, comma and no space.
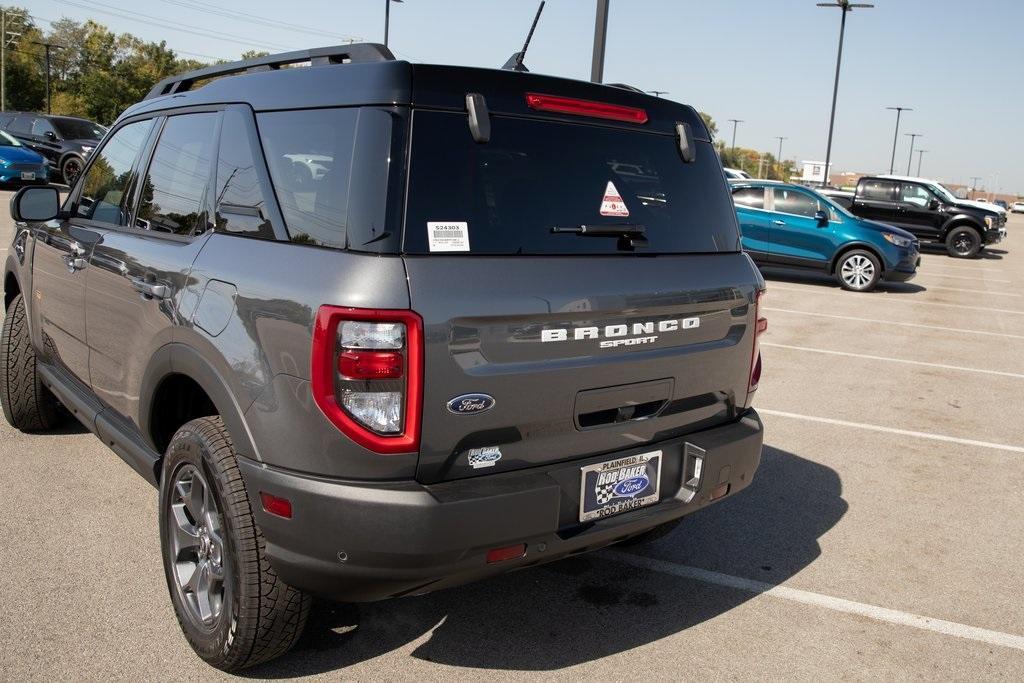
888,359
891,300
963,277
884,614
1004,335
973,291
970,268
893,430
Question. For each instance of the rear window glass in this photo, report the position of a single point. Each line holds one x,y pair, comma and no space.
505,196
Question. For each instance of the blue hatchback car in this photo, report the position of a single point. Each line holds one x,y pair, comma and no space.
19,164
792,226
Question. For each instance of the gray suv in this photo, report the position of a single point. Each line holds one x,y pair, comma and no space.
374,329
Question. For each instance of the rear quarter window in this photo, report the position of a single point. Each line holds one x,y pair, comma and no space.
534,174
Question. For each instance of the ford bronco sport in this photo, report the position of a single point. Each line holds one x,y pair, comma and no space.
375,329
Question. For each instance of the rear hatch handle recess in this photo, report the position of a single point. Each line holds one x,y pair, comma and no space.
631,235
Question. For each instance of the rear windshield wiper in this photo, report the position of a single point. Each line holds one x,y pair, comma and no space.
631,235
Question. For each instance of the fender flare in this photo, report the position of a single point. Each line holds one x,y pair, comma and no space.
961,219
180,359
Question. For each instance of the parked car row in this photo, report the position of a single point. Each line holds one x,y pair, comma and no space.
64,142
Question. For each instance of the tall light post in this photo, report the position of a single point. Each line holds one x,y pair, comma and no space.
845,6
778,159
920,153
896,135
912,136
387,18
658,93
600,38
734,122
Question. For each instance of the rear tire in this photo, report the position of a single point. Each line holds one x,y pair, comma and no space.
233,609
27,404
963,242
858,270
70,169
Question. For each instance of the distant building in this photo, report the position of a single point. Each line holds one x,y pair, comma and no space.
813,173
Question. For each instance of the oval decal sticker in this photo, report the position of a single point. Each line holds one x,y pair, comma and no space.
470,404
632,486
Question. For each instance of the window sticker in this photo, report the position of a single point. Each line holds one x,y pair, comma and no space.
612,204
448,236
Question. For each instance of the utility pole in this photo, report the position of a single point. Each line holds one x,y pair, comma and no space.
845,6
734,122
920,153
896,135
48,47
387,18
3,55
778,159
974,184
600,37
658,93
912,136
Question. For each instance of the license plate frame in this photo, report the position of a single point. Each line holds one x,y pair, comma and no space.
629,483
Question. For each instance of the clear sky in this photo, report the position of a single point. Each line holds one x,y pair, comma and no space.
960,65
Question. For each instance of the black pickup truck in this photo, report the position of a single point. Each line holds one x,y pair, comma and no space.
926,209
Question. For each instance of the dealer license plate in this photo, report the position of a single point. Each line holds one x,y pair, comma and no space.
615,486
28,175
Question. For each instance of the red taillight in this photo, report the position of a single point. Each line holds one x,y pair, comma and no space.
760,327
275,505
508,553
370,364
597,110
367,375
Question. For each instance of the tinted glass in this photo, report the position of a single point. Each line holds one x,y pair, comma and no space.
915,194
7,140
749,196
505,196
5,120
878,190
106,182
309,154
78,129
22,124
241,206
41,127
795,202
178,176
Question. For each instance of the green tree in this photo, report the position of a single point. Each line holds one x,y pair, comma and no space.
710,123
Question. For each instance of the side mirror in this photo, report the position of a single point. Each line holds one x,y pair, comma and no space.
822,218
50,135
933,205
35,204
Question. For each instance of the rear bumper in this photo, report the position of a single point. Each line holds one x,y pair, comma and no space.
399,538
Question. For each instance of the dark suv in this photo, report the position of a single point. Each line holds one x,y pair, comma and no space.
65,141
376,329
928,211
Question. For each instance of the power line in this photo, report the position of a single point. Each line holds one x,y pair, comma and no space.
52,22
261,21
173,25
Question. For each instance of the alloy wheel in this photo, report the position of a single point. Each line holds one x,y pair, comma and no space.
963,243
72,169
857,271
197,547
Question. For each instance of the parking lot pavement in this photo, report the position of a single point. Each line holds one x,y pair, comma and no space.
882,535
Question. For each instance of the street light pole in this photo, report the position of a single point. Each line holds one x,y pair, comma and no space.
48,47
896,135
778,159
912,136
387,18
845,6
600,37
658,93
920,153
734,122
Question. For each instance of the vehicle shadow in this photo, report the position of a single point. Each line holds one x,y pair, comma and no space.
591,606
801,277
987,253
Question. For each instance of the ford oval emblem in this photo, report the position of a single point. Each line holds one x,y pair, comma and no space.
470,404
627,488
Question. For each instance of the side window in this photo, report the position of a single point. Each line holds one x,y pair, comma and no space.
22,124
914,194
878,190
309,153
41,127
5,120
178,176
104,188
241,206
794,202
749,196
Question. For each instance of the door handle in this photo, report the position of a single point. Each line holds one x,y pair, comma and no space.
150,290
777,222
75,264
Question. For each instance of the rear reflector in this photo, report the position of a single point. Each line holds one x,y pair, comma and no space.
370,364
760,327
509,553
597,110
282,507
720,491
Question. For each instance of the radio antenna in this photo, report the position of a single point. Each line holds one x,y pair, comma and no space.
515,62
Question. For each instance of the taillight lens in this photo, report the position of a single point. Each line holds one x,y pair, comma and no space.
597,110
760,327
367,375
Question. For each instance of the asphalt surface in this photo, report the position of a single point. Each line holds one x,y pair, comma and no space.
883,542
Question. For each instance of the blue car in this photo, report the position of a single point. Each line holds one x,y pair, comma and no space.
19,164
791,226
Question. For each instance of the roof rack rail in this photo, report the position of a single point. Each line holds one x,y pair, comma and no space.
338,54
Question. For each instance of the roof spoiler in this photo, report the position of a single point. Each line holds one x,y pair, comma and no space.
320,56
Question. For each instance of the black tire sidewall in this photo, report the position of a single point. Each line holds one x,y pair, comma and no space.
189,447
874,261
975,238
